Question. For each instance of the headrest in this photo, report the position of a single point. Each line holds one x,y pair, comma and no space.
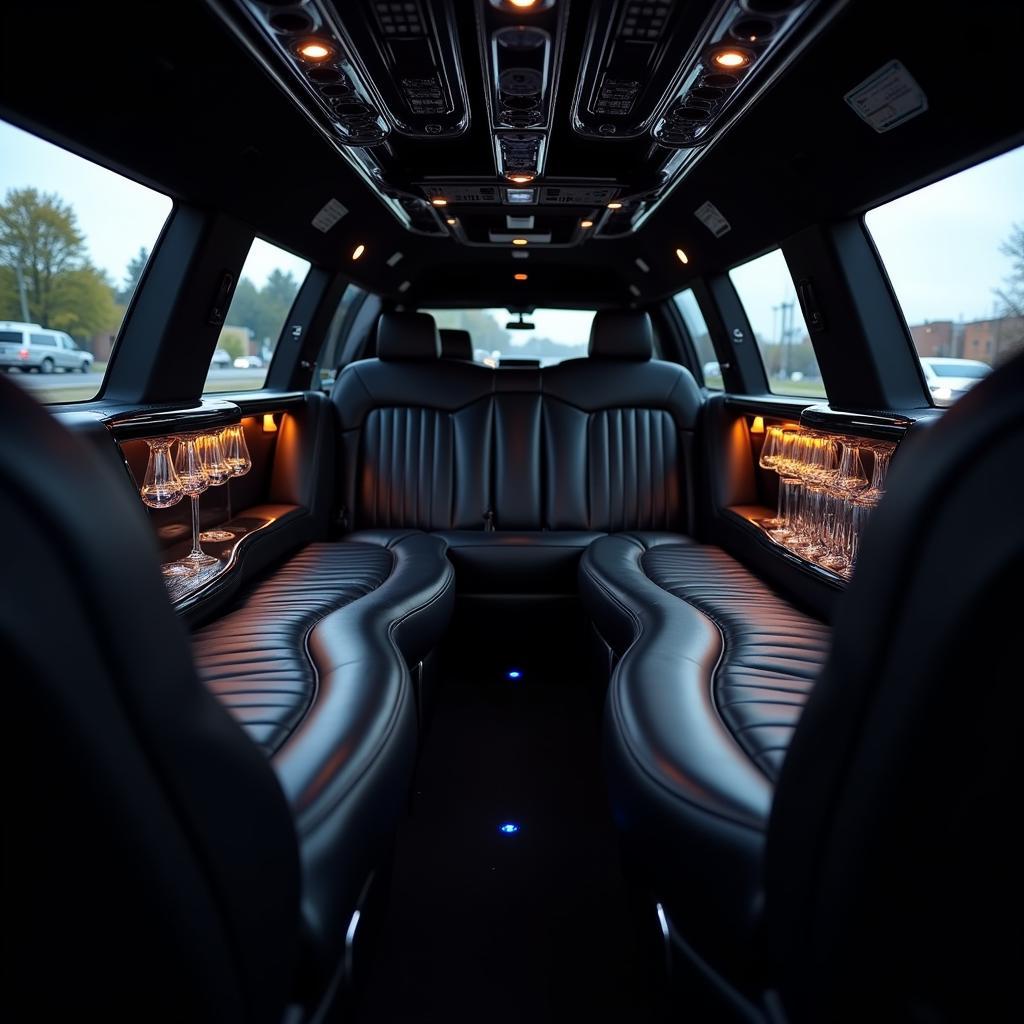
621,334
407,336
456,344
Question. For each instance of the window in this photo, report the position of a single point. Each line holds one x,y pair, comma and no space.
954,252
766,290
334,344
552,334
74,241
686,303
270,280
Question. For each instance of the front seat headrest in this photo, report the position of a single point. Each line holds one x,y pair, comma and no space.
621,334
456,344
407,336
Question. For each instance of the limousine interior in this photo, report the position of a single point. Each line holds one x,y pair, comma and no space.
506,558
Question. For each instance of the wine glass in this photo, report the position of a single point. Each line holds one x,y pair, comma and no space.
879,471
189,466
236,451
771,451
161,488
218,473
850,479
790,486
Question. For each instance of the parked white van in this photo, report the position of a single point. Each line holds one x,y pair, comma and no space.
32,347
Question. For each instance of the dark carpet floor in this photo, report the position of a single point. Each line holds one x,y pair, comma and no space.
524,925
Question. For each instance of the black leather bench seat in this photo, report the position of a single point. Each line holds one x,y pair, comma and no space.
256,659
714,671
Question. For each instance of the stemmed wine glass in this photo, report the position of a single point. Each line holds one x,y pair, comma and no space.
162,488
236,451
771,451
787,463
218,473
194,480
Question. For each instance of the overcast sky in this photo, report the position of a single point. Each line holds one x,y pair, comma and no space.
940,244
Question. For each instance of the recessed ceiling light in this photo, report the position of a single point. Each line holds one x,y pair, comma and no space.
586,223
358,251
316,50
520,178
451,221
523,4
615,206
520,277
438,202
519,241
731,58
681,256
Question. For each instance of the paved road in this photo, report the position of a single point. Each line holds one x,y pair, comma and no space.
54,383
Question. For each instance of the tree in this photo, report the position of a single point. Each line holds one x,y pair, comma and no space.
39,236
83,303
1011,295
263,310
132,276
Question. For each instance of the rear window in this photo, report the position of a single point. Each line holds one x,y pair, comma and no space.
545,335
74,241
954,252
765,288
693,318
270,280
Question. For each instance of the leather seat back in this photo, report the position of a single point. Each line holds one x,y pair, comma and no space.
892,872
619,434
602,443
151,865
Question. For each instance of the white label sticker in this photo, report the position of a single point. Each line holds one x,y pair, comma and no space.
711,217
393,259
888,97
330,213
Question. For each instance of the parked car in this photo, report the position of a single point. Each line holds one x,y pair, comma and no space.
33,347
950,379
221,359
248,363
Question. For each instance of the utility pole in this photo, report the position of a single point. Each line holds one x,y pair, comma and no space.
21,294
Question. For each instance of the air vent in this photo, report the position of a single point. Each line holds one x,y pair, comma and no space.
463,194
573,195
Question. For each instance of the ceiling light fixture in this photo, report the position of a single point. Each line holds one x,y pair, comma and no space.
519,241
315,50
451,222
438,202
586,223
520,277
732,59
521,177
358,251
615,206
682,257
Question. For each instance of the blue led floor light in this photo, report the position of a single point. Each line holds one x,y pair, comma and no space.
509,828
513,673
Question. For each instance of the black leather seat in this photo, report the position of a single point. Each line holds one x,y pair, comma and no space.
851,854
166,867
456,344
518,470
715,669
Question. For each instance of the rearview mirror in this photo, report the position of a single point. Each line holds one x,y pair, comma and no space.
520,325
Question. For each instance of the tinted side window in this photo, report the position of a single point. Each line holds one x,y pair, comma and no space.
765,288
693,318
954,252
43,339
11,337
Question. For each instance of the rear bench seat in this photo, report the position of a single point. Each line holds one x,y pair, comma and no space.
517,470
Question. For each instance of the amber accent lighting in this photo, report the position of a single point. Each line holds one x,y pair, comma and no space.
316,50
438,202
519,241
757,427
520,277
269,423
520,177
731,59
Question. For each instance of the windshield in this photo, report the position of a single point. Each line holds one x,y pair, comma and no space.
555,334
